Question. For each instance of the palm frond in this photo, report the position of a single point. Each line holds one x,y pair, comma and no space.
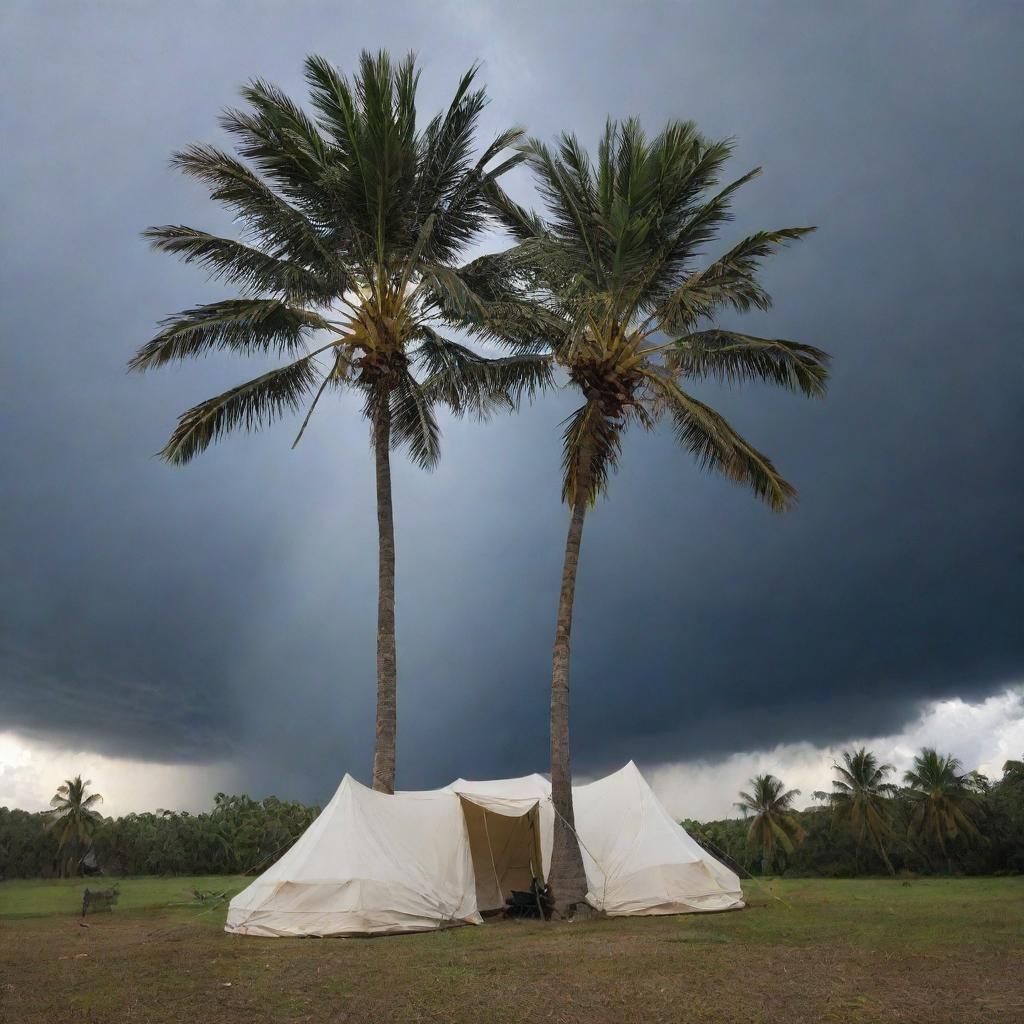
714,443
693,223
730,357
572,214
251,406
275,223
251,326
372,123
591,447
446,290
523,224
467,382
285,144
332,96
506,312
730,281
413,425
236,263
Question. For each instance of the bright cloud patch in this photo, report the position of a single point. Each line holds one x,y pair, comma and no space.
982,735
30,772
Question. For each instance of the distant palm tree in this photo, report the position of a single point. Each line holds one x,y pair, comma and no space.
73,817
769,807
858,797
945,804
618,264
355,221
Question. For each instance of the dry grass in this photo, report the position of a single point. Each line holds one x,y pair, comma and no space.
942,950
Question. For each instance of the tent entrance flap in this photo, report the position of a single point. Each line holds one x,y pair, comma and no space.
506,852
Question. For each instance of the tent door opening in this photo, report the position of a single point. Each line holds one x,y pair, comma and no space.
506,853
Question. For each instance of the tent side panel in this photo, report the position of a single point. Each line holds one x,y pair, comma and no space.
638,859
375,864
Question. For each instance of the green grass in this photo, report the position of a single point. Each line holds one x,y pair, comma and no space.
45,897
935,951
884,914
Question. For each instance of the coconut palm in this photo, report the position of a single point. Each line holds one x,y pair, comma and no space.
73,816
616,263
355,221
945,804
859,797
769,807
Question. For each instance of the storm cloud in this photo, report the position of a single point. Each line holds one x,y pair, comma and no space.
224,612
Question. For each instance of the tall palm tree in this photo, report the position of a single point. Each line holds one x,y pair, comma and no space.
859,797
616,264
354,223
773,824
73,816
945,804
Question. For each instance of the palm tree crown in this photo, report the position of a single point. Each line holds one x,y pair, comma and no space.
859,794
354,221
946,805
617,264
770,809
73,816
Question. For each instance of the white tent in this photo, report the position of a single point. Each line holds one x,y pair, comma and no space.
373,863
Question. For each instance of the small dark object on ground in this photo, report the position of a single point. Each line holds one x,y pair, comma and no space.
209,897
99,899
535,903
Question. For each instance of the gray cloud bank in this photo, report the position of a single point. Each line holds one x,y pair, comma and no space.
227,610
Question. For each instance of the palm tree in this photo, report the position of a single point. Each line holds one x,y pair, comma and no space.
772,824
858,797
73,817
354,223
616,266
945,804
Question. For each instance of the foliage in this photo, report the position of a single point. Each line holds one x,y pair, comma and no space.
773,828
945,800
354,220
832,848
617,264
73,818
238,835
859,798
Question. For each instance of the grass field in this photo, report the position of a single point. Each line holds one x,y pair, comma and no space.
935,950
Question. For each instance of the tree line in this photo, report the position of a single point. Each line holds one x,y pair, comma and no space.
238,836
356,223
940,820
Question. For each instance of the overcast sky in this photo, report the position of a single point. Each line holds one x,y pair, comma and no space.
219,619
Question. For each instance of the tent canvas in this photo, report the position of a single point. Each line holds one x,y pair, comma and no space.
374,863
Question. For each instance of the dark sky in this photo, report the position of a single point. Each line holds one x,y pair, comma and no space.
225,611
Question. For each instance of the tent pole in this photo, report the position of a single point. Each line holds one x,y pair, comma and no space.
490,852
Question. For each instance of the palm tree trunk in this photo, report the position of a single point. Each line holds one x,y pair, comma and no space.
885,858
387,660
567,876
